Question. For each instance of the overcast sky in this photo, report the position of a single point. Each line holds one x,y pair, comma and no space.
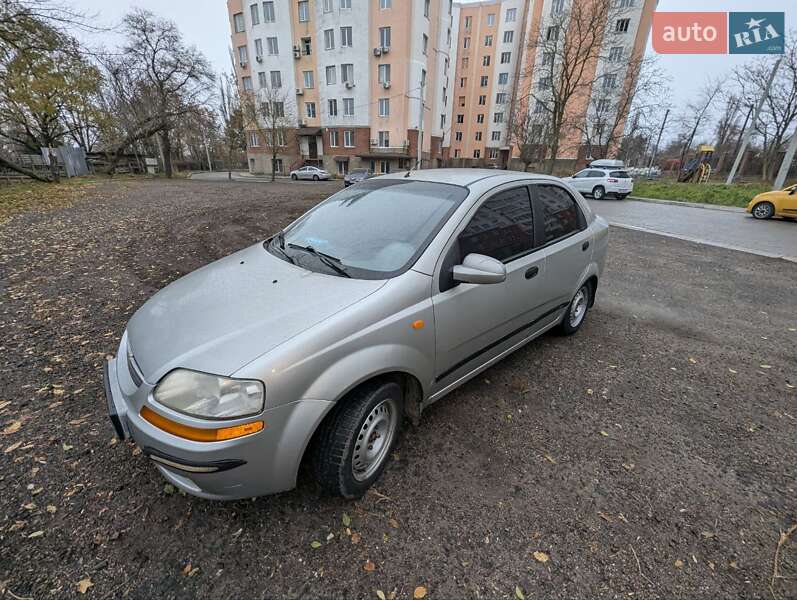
204,24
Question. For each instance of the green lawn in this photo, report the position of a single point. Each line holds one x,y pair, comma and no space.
708,193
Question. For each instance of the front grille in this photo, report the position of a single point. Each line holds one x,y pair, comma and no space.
132,367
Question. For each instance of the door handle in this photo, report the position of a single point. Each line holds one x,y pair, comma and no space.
585,245
532,272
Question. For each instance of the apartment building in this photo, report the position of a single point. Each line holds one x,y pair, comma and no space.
500,68
349,75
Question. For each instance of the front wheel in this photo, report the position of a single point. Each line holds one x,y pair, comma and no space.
354,443
764,210
576,310
598,192
315,177
294,177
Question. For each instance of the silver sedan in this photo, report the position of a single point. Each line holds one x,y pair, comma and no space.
320,341
310,172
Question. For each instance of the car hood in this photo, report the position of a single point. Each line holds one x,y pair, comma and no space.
229,312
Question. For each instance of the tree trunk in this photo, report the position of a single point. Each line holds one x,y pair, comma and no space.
4,162
54,172
166,140
554,153
273,165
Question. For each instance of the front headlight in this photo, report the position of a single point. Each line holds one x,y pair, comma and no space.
210,396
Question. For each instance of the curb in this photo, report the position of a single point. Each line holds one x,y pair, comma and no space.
735,209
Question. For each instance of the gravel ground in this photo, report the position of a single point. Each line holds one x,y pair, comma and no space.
652,455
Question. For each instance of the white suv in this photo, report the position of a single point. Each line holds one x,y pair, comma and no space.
601,181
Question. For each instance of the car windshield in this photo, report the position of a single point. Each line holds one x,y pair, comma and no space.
373,231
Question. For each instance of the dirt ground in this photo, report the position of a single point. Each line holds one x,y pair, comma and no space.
652,455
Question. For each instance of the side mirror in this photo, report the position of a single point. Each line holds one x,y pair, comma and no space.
478,268
793,191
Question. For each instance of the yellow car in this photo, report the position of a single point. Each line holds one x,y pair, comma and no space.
782,203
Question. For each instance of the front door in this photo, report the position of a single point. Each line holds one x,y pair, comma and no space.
312,147
473,322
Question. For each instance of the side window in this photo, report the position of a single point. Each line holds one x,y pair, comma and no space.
597,173
560,213
581,174
501,228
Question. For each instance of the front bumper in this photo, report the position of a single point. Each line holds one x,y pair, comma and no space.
262,463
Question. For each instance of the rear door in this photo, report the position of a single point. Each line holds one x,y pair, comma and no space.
580,181
560,228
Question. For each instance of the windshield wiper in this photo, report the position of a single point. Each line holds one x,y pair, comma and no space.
280,238
330,261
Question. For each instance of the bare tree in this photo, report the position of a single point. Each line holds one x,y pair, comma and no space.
267,115
527,133
696,112
232,125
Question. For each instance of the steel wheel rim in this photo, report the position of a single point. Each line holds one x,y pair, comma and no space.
374,439
598,193
578,308
761,211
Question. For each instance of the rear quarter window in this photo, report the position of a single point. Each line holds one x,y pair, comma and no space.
620,175
561,215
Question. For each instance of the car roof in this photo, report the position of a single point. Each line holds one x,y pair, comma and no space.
466,177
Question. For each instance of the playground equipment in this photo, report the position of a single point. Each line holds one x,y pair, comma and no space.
698,169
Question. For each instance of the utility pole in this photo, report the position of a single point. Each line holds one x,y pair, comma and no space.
420,125
787,159
658,139
749,132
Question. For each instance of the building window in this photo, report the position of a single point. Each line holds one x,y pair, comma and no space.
254,140
258,47
458,136
328,6
466,43
604,105
509,36
384,37
460,118
498,117
384,139
275,108
272,46
278,166
544,83
347,73
616,53
456,153
384,74
480,118
622,25
488,40
482,100
426,4
490,19
242,55
385,4
465,62
425,45
506,57
331,73
343,166
247,81
332,109
625,3
304,11
462,100
307,46
345,37
511,15
552,33
268,12
492,153
333,137
348,138
486,61
463,82
539,107
329,39
468,22
261,79
280,141
238,20
309,109
348,107
557,7
477,153
308,79
610,81
503,78
483,80
547,59
384,107
501,98
495,136
442,121
254,11
478,136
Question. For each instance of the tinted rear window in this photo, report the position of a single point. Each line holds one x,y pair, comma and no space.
620,175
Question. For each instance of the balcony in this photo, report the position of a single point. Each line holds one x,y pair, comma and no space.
376,148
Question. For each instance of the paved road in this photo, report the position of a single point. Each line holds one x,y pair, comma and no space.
724,228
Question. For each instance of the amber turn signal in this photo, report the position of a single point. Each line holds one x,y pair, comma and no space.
198,434
419,324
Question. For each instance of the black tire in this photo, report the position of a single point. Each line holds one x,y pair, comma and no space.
294,177
315,177
598,192
622,196
337,441
583,296
763,210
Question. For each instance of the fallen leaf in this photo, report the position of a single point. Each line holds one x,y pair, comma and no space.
315,544
84,584
369,566
420,592
330,536
628,466
381,595
186,570
707,534
346,520
51,509
550,459
765,366
732,371
679,563
13,427
605,517
393,523
692,360
4,403
733,565
355,538
12,447
519,593
66,447
29,506
36,534
604,434
590,391
168,489
540,556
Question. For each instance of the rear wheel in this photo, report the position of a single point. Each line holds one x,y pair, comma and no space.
294,176
576,310
315,177
354,443
598,192
764,210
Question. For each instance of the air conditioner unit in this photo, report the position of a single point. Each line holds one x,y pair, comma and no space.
299,92
377,51
386,85
297,52
349,85
259,58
